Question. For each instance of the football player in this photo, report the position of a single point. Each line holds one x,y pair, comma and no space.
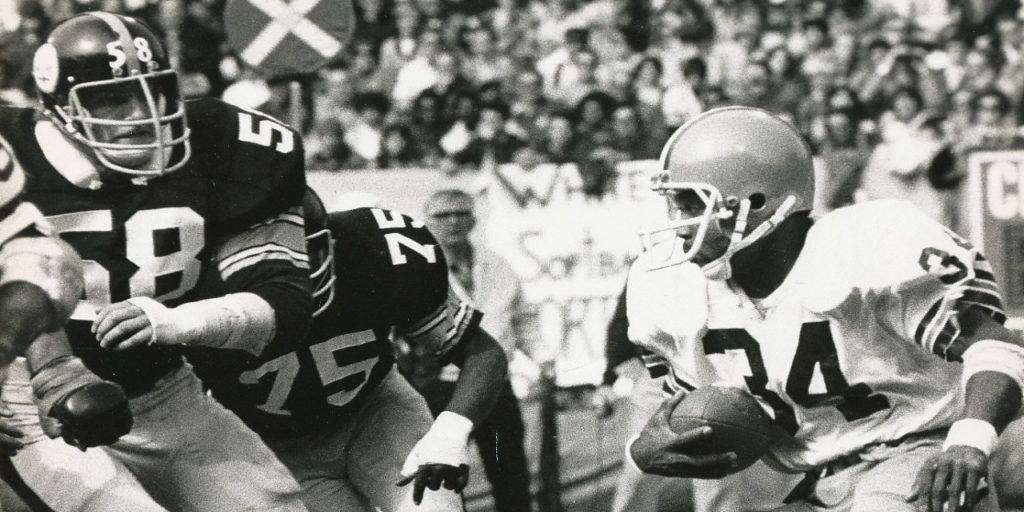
335,410
873,336
154,193
40,282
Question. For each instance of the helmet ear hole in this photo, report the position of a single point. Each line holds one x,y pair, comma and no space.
757,201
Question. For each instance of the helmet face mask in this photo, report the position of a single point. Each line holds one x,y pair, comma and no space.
125,106
320,249
748,168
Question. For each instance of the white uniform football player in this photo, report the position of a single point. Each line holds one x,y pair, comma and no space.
873,336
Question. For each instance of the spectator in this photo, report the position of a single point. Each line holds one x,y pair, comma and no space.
819,55
631,139
901,168
646,87
363,130
400,47
557,65
365,74
427,126
325,145
576,80
592,115
450,84
680,102
485,278
558,143
511,23
417,74
398,150
491,143
904,117
842,156
528,107
483,61
992,127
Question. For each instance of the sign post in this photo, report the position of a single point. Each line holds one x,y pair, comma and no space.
289,39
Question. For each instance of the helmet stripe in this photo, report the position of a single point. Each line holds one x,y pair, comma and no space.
127,46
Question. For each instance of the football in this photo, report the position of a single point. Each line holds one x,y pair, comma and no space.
738,424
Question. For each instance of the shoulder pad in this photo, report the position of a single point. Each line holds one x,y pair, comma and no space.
389,258
665,304
879,247
256,161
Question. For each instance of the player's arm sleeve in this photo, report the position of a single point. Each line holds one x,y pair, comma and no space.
268,262
445,329
947,277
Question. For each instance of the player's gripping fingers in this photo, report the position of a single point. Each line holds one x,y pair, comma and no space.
920,492
419,486
955,487
684,442
459,481
128,334
110,316
10,438
937,493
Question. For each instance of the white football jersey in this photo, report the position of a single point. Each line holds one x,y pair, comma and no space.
858,345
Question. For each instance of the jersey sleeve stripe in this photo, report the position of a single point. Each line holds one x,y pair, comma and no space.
254,255
940,328
446,326
428,323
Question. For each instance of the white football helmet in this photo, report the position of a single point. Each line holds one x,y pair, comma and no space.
747,166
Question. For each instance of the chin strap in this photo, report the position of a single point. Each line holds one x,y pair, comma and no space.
720,268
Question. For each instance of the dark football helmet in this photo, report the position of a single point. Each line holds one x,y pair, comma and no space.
100,59
320,248
747,166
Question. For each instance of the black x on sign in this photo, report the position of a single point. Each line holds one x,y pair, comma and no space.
282,38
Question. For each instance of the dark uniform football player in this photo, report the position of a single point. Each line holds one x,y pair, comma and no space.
40,282
335,410
155,194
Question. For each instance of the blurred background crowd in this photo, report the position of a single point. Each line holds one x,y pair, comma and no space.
467,84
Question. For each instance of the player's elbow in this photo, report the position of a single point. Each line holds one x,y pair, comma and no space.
293,309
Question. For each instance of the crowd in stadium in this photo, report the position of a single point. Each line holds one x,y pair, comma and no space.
461,84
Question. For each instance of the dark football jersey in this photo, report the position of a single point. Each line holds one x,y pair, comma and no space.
159,238
391,278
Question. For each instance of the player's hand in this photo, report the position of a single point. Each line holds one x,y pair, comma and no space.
439,458
661,451
96,414
121,326
10,436
143,321
950,477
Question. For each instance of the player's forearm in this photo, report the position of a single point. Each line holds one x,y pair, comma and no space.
992,397
484,371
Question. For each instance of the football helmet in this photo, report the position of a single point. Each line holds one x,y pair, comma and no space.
320,247
99,58
749,168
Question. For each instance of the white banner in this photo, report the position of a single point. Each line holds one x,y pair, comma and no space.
571,249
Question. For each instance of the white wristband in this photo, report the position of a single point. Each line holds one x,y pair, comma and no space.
453,424
973,432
